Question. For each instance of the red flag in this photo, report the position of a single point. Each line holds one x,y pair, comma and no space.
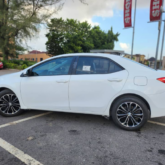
155,7
127,13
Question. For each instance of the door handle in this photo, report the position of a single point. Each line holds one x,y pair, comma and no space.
62,81
115,80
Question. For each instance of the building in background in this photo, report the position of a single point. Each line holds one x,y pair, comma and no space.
34,56
146,62
151,62
139,58
108,51
127,56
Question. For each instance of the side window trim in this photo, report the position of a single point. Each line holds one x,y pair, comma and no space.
74,71
70,69
75,65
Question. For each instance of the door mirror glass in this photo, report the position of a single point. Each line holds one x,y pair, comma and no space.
26,74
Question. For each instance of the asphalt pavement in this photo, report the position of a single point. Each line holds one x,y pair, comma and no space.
40,137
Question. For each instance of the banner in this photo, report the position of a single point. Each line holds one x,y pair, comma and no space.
155,7
127,13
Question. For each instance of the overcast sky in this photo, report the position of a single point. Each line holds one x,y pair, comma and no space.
107,13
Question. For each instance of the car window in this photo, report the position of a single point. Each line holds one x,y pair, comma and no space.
114,67
59,66
96,65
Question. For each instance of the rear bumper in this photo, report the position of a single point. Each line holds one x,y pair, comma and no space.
1,66
157,105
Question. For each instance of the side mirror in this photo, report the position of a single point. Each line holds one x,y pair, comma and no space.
27,74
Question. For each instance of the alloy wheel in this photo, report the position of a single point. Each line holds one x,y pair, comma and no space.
130,114
9,104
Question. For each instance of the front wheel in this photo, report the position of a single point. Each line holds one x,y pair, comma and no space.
130,113
9,104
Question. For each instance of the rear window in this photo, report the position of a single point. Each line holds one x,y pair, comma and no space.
96,65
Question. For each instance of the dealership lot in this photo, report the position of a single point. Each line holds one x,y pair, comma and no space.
50,138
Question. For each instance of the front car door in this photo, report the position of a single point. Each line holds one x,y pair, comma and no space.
95,81
47,87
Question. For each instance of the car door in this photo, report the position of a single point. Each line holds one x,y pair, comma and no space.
47,87
95,82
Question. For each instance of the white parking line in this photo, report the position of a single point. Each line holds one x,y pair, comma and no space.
22,120
157,123
18,153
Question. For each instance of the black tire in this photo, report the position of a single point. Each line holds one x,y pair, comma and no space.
13,106
133,120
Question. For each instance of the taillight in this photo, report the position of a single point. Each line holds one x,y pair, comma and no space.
162,79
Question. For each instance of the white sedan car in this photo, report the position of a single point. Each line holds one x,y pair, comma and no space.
99,84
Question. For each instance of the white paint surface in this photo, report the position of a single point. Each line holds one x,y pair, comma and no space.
22,120
18,153
157,123
140,81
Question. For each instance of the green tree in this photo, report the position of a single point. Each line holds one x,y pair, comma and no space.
103,40
19,50
21,20
72,36
56,40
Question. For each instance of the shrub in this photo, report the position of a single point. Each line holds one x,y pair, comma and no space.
20,62
26,62
15,61
31,63
19,67
17,64
8,65
4,64
11,65
24,66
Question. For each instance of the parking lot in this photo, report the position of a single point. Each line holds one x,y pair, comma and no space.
54,138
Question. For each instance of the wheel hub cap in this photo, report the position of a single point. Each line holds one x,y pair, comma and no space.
130,114
9,104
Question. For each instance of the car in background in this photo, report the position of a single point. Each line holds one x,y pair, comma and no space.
1,65
98,84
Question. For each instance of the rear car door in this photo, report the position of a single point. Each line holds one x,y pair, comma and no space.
47,87
96,80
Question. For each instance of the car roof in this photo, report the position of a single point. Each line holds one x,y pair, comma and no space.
87,54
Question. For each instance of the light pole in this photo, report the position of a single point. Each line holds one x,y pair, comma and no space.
162,47
159,30
133,36
157,48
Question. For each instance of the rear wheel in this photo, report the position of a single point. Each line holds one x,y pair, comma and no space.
9,104
130,113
